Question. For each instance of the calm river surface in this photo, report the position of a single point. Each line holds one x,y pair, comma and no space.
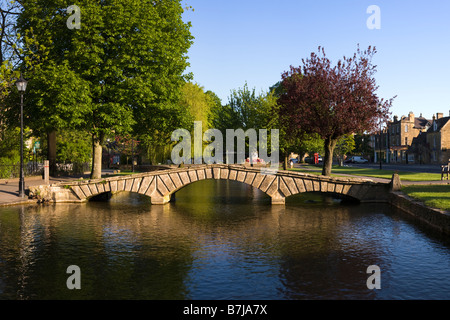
219,240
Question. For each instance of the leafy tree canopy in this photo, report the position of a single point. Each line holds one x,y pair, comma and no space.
332,101
120,72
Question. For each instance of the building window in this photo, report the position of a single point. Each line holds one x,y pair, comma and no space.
406,128
398,129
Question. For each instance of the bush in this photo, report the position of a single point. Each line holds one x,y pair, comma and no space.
9,168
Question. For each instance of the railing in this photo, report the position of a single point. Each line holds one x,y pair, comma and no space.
73,168
37,169
13,171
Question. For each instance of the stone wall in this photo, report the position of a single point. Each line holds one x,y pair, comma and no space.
52,193
438,219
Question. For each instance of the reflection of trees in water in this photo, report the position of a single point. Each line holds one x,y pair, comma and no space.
20,248
127,248
322,255
306,235
119,253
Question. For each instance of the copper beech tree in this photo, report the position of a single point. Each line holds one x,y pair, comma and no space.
332,100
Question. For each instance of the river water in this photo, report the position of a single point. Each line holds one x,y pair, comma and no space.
219,240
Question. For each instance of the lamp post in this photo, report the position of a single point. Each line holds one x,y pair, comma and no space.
21,87
381,166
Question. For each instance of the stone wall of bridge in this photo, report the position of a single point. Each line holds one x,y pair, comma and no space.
160,186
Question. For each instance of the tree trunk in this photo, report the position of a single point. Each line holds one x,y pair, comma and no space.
51,152
97,149
285,162
329,145
341,160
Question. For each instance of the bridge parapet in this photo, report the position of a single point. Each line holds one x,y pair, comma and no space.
161,185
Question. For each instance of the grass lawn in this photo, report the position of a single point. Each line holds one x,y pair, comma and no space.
435,196
376,173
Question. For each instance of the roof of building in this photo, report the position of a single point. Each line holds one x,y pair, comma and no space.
421,123
439,124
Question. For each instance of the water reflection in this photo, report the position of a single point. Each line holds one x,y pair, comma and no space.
218,240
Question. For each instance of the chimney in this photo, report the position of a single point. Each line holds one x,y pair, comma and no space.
411,116
439,116
395,118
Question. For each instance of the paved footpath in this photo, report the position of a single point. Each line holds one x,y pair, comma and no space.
9,189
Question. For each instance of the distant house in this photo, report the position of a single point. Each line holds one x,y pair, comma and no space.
401,133
433,146
420,149
438,139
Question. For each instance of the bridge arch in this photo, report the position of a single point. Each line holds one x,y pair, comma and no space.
160,186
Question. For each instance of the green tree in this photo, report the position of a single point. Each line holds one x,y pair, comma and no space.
195,105
9,58
247,110
73,146
125,65
198,103
362,145
308,144
10,152
345,145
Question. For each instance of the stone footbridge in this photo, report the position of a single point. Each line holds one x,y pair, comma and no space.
161,185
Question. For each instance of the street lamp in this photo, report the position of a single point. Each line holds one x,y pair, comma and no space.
21,87
381,133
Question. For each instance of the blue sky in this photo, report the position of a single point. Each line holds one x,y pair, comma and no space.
255,41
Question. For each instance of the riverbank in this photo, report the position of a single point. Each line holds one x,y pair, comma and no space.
432,195
435,218
9,189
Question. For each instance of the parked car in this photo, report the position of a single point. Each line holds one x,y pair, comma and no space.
311,160
356,159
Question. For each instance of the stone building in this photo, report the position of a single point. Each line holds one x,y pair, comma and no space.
433,146
438,139
401,133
